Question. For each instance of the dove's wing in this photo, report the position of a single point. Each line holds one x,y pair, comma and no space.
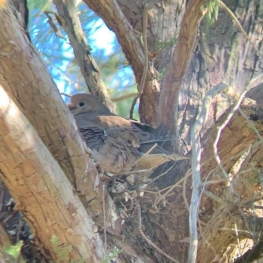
93,137
115,149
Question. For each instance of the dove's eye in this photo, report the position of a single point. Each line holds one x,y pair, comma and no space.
129,142
81,104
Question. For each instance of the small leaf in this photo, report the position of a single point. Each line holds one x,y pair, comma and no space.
14,250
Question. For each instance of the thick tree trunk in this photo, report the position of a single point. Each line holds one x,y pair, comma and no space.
42,192
25,78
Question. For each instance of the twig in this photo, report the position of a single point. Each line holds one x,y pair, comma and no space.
238,240
205,238
228,203
157,248
160,175
145,69
238,24
137,171
250,85
196,174
64,76
65,94
170,188
184,195
124,97
147,153
104,216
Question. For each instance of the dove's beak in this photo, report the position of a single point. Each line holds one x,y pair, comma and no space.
71,107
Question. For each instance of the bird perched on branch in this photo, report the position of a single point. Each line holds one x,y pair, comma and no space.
118,144
88,111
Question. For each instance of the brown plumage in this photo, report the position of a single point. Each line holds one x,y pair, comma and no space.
115,149
89,111
107,135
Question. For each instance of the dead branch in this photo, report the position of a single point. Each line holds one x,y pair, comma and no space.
124,97
196,173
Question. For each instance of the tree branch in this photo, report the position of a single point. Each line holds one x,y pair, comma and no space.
113,16
41,190
145,70
116,20
178,67
89,69
36,95
196,173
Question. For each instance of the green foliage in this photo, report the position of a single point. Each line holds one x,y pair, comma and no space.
212,7
14,251
39,4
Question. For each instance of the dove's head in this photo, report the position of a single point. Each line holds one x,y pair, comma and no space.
82,102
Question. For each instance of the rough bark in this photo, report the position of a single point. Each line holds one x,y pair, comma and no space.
22,10
222,54
235,205
25,78
113,16
42,192
179,65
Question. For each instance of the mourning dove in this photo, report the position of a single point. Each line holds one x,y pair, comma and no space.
89,111
116,149
112,133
